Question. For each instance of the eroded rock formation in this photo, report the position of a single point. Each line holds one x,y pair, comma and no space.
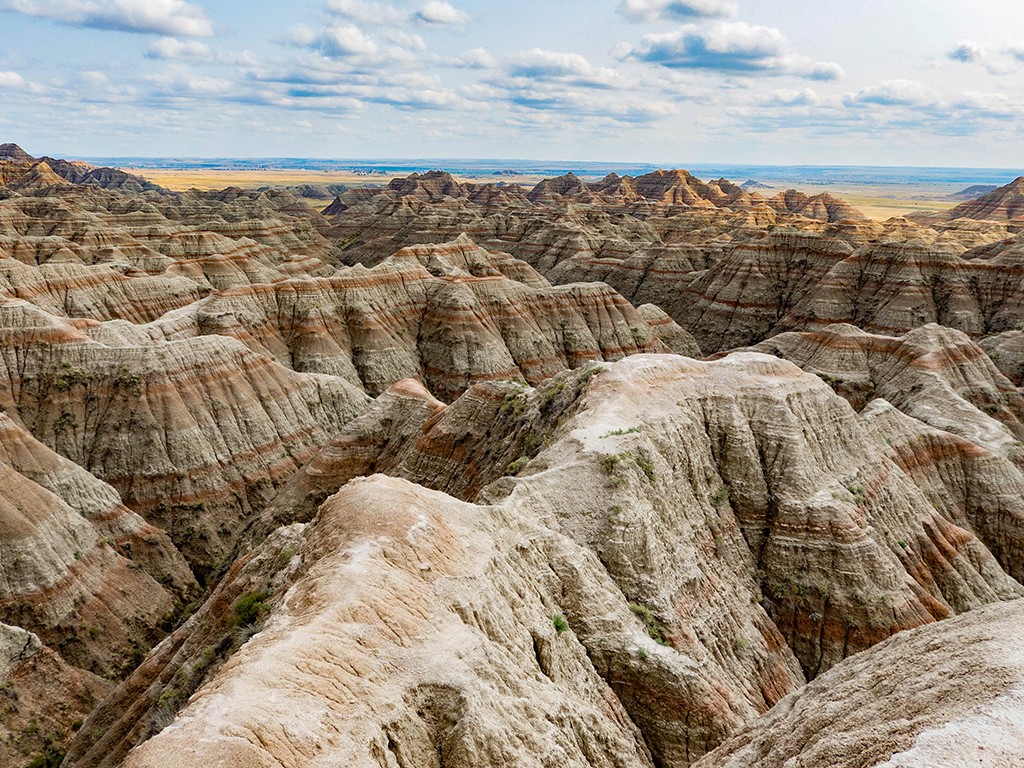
441,495
733,551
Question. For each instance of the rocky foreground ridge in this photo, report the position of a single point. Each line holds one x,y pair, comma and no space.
442,476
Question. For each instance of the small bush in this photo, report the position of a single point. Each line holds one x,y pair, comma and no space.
250,608
645,466
609,463
517,466
561,625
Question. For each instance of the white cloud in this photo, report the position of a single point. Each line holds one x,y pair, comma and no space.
183,50
367,12
406,40
728,47
346,40
892,93
166,17
476,58
177,83
967,52
10,79
570,68
541,63
786,97
335,41
441,13
653,10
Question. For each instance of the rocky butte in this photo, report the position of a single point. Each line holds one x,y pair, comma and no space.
633,472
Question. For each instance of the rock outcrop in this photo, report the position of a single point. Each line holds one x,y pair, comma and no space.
934,374
958,687
450,315
752,532
192,434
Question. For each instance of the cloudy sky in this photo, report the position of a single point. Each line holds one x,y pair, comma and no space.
915,82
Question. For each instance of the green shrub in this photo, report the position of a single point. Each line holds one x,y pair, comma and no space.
645,466
609,463
250,608
517,466
621,432
561,625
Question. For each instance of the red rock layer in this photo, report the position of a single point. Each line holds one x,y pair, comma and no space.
449,315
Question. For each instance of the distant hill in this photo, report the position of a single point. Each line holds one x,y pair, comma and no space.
15,153
1001,204
22,172
750,184
973,192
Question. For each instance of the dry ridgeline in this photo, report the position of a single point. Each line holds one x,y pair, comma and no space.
639,472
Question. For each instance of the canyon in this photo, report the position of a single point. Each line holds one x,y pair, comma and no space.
635,471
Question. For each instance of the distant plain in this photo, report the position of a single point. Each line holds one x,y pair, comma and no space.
880,193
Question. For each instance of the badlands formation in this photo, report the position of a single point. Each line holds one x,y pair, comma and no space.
635,472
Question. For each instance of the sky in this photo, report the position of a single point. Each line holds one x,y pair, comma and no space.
856,82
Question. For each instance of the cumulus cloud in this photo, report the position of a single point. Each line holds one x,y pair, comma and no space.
475,58
346,40
997,60
337,41
570,68
540,63
9,79
786,97
376,13
728,47
967,52
182,50
893,93
367,12
653,10
441,13
164,17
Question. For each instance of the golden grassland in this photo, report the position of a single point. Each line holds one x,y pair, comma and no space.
878,202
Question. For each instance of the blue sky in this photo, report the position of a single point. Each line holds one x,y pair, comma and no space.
916,82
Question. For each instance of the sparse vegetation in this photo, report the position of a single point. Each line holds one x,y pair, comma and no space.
250,608
857,491
651,623
621,432
645,465
517,466
561,625
609,463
